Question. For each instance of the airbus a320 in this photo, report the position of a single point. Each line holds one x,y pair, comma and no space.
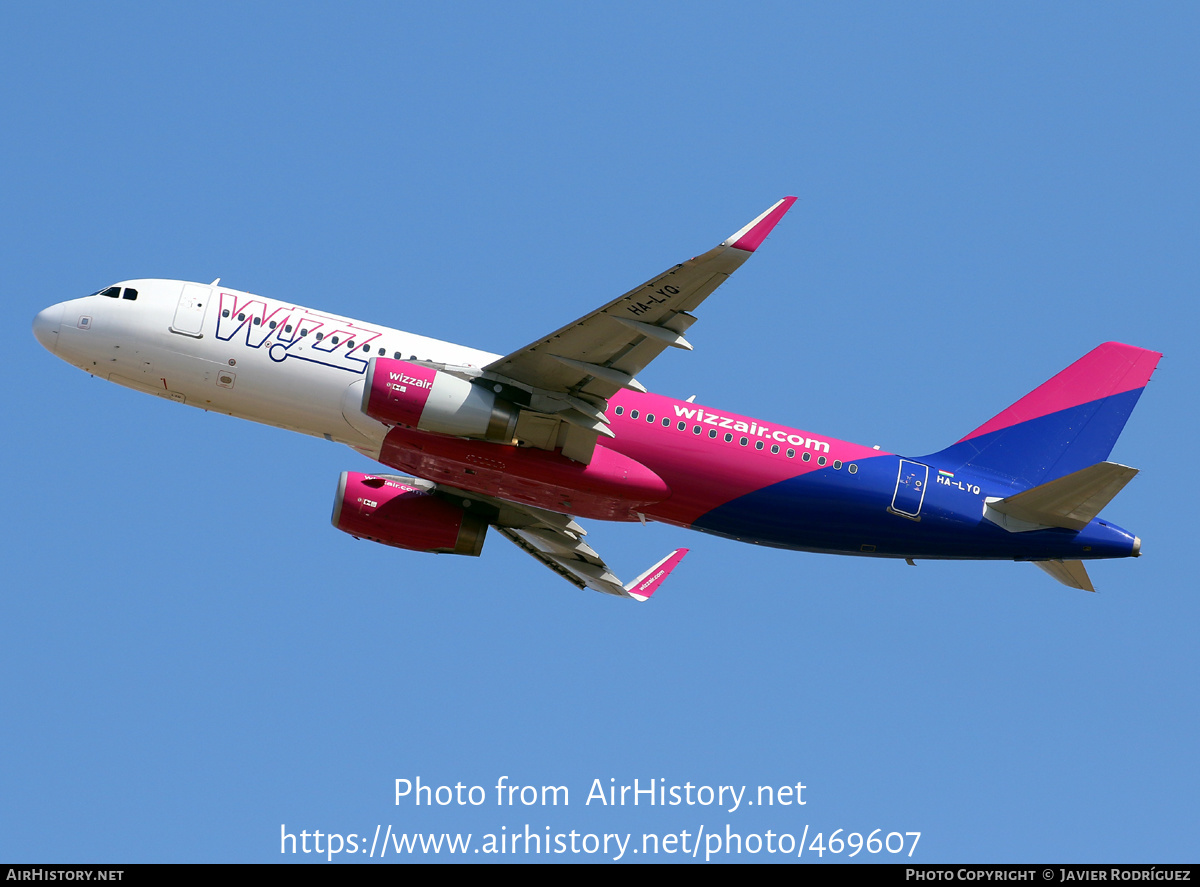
530,443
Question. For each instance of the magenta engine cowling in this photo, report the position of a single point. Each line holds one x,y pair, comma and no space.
401,393
388,510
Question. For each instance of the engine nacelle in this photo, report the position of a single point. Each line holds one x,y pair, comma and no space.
401,393
388,510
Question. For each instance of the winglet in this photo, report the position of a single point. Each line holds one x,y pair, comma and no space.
752,236
646,584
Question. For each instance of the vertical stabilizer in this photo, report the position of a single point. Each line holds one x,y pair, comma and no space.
1062,426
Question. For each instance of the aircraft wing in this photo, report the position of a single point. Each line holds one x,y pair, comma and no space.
556,540
573,371
575,561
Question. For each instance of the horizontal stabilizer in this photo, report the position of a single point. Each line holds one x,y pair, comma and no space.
1070,502
1069,573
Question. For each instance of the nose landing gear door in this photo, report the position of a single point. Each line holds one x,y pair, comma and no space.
189,313
910,489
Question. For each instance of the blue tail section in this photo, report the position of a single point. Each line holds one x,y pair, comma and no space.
1064,425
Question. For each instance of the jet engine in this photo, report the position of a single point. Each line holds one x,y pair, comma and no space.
397,513
401,393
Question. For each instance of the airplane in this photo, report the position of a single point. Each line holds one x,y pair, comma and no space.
530,443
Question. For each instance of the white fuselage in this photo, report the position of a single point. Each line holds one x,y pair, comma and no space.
232,352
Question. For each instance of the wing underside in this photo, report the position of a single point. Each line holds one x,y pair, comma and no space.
556,541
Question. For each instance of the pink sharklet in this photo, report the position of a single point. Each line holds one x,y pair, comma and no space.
759,229
1108,369
645,585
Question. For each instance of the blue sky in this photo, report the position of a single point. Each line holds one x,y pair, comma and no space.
194,656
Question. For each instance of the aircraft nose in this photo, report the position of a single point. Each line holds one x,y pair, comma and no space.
45,326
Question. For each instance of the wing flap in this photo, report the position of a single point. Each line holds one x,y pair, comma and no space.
580,565
529,548
556,541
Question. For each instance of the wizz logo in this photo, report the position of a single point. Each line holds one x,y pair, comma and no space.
287,331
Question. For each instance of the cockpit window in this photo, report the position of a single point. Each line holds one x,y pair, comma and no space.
129,294
113,292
